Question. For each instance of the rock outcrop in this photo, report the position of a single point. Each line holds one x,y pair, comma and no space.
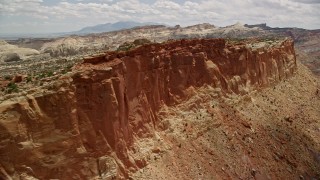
12,53
84,126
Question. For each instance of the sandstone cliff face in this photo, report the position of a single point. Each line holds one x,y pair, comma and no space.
84,126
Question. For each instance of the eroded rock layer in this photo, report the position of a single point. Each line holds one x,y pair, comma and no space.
84,126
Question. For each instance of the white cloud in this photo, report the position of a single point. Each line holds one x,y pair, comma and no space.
166,4
308,1
300,13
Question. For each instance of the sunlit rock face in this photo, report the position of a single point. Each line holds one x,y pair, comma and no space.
85,125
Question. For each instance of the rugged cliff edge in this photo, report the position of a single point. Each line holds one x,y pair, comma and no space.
86,125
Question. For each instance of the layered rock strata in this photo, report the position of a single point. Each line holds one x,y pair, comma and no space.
84,125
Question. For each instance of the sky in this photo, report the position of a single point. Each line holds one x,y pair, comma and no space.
48,16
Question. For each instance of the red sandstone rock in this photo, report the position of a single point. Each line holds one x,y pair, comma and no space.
114,99
17,78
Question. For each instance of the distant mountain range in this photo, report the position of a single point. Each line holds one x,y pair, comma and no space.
100,28
111,27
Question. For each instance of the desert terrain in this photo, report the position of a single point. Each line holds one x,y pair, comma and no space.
155,102
51,54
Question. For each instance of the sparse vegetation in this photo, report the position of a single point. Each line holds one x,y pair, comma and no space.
7,77
66,69
41,76
29,79
138,42
126,46
130,45
44,75
49,74
12,87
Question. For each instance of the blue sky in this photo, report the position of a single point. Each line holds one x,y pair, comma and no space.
45,16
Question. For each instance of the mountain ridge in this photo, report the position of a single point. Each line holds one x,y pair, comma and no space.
127,25
108,27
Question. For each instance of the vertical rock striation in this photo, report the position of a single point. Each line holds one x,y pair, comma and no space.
84,125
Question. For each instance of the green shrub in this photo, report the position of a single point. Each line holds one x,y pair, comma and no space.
40,76
29,79
12,87
49,74
126,46
8,77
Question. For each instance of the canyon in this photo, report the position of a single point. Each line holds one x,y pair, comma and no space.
181,109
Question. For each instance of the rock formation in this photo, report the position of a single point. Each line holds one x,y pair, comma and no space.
85,125
10,53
